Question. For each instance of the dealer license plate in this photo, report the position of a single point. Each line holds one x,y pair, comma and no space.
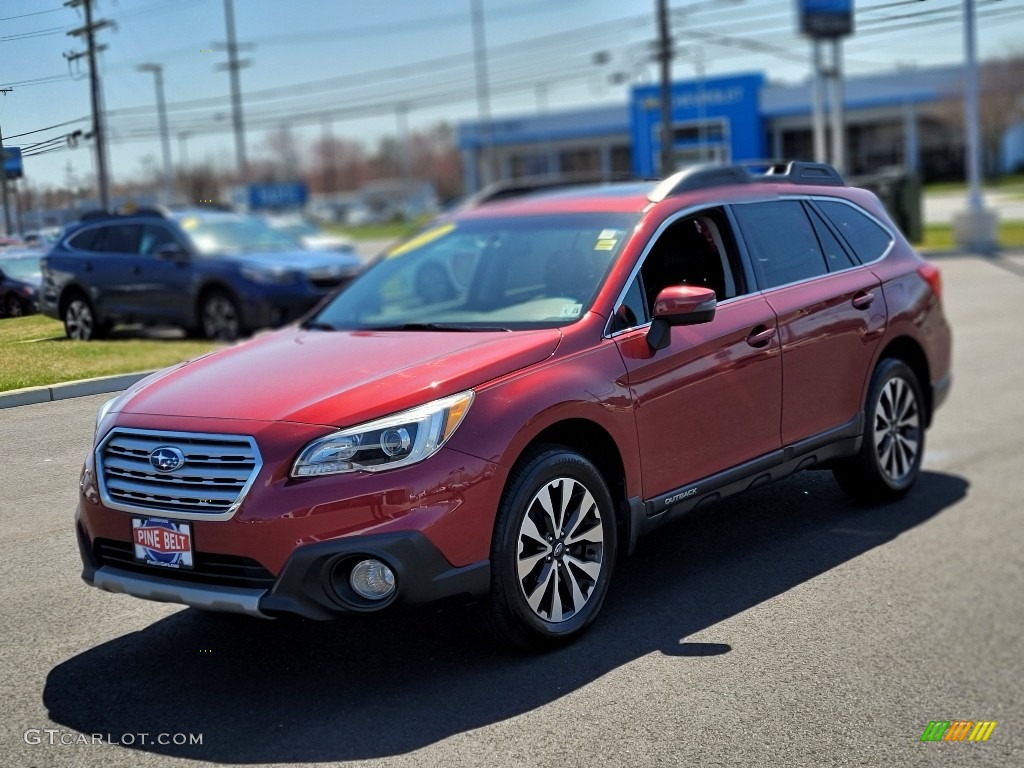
162,542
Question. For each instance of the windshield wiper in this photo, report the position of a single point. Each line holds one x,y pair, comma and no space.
437,327
317,325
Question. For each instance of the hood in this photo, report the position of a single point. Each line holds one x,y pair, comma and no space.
301,259
336,378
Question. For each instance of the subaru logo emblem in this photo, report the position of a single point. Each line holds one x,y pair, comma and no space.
166,459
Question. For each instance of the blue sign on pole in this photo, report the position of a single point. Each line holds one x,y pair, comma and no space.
826,18
13,168
285,194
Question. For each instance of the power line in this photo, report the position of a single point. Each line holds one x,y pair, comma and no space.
34,13
48,128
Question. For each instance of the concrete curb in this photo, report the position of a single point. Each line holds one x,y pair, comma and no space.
98,386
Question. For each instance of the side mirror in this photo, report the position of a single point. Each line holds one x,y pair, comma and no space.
680,305
171,252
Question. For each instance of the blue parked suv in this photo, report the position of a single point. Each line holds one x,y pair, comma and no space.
214,273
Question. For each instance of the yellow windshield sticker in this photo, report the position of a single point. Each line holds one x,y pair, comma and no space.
421,239
608,239
190,223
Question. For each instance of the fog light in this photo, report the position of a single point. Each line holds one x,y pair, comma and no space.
372,579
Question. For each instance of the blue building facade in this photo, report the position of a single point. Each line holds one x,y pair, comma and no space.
716,120
907,118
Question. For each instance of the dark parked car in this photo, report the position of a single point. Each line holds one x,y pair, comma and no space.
213,273
609,359
19,283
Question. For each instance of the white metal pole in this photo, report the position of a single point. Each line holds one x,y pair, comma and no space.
818,104
974,195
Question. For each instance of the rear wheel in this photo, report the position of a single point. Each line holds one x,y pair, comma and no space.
889,461
13,307
553,550
219,317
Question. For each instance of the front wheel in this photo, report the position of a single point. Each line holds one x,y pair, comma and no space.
80,320
219,317
890,457
553,550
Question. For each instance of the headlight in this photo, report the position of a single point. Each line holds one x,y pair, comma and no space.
268,276
394,441
104,410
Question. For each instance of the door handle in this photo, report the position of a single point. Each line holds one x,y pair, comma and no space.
760,336
863,299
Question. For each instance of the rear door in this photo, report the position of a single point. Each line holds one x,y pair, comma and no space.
830,310
112,269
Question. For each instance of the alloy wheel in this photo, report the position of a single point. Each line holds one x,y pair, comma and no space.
897,429
220,318
78,320
560,550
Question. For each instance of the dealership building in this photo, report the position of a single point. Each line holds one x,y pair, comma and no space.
903,118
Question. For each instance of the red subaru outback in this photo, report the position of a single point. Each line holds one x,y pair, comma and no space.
507,401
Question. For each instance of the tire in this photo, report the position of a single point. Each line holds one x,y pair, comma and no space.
13,307
219,317
889,461
80,320
550,571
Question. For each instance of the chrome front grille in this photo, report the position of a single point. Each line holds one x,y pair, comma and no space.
209,484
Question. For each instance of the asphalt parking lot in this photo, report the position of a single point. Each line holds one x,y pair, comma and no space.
785,627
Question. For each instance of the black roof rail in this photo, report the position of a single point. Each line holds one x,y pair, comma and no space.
746,172
795,172
123,212
505,190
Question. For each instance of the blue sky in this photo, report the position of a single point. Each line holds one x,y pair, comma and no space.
356,60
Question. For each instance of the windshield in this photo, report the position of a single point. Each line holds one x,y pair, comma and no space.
514,273
20,269
235,235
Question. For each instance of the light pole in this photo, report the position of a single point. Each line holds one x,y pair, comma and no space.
165,139
974,228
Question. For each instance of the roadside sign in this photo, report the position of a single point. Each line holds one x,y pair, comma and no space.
13,168
286,194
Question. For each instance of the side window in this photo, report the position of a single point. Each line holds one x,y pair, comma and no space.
836,256
85,240
868,240
782,241
696,250
153,236
118,238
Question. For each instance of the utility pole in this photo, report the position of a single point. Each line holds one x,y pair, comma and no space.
327,140
483,95
165,139
89,32
3,177
667,163
233,65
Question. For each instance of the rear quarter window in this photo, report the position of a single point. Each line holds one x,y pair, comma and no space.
868,239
